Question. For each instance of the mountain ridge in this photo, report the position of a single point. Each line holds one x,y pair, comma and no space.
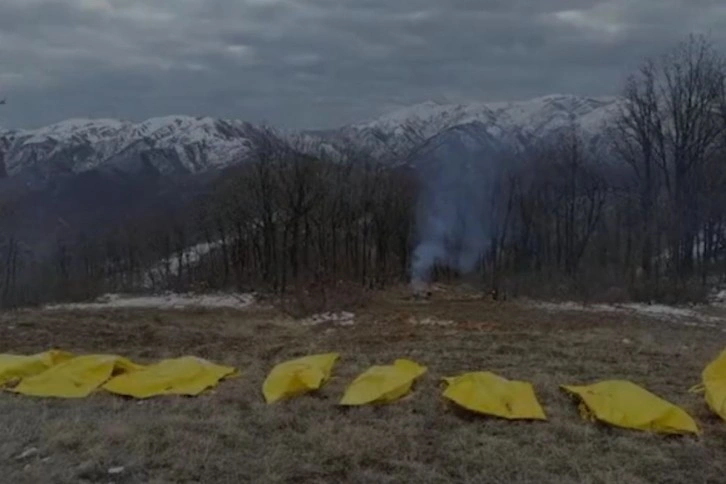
516,123
78,145
188,144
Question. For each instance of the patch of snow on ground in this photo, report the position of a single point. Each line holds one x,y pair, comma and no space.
431,322
170,267
342,318
657,311
164,301
661,310
718,298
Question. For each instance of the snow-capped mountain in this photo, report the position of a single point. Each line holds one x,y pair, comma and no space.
188,145
170,145
396,135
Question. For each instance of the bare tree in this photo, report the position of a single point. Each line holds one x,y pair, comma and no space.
668,130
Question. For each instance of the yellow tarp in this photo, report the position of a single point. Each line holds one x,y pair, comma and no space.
625,404
383,384
188,375
489,394
75,378
17,367
299,376
714,383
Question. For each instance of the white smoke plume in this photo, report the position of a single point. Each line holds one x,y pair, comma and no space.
453,216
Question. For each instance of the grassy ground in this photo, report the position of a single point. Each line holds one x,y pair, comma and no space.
230,435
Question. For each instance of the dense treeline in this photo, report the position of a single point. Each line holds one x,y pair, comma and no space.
641,216
274,222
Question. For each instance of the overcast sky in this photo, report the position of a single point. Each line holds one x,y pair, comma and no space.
320,63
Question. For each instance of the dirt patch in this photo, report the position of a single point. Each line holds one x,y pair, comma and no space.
230,435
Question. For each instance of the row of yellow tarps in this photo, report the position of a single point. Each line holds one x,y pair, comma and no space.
479,392
615,402
377,384
60,374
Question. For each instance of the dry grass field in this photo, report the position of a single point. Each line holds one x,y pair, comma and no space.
230,435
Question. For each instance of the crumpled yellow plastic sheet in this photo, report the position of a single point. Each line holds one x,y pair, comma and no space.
16,367
624,404
75,378
489,394
187,376
383,384
714,384
299,376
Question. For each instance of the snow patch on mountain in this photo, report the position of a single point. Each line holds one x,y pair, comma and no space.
92,130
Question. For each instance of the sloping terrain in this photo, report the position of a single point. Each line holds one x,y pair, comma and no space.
230,435
93,202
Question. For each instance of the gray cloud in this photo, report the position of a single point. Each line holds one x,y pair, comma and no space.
320,63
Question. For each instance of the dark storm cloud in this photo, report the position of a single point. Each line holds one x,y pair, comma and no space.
319,63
